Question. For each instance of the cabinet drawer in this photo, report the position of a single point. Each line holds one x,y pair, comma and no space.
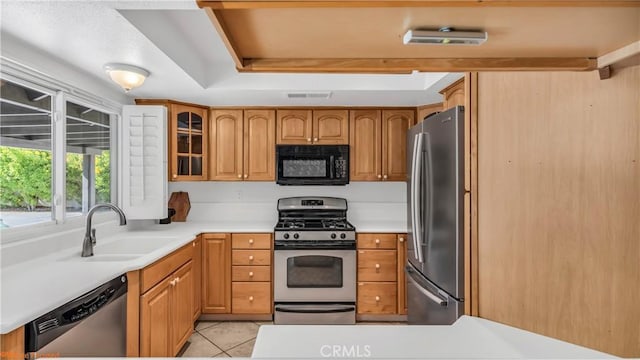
160,269
376,241
251,273
377,298
251,298
251,257
377,265
251,241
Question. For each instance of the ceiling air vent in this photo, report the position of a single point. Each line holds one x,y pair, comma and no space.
309,95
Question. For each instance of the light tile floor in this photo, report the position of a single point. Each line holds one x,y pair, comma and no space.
231,338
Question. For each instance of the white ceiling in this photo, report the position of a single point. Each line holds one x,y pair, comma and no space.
177,43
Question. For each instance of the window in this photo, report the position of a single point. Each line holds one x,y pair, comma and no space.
52,171
25,156
88,160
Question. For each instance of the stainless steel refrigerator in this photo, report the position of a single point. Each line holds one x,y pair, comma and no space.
435,248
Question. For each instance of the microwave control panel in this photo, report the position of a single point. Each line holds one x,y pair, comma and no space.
341,168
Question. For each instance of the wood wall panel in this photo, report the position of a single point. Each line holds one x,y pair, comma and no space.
559,203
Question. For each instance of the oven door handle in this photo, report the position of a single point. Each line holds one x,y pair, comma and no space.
314,311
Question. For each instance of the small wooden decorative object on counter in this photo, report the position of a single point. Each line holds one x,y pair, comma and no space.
180,202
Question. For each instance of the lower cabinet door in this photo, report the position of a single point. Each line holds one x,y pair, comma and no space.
155,321
181,306
377,298
251,298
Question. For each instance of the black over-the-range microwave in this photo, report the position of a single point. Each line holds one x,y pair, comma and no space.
312,164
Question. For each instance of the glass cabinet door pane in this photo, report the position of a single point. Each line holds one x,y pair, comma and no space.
196,144
183,165
183,143
196,165
183,120
196,122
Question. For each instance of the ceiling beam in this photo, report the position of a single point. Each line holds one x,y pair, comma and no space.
234,5
409,65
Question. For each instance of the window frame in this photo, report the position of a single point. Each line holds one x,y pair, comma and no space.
61,94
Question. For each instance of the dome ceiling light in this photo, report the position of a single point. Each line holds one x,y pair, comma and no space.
127,76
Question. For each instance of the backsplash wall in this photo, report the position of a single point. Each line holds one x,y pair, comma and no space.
239,201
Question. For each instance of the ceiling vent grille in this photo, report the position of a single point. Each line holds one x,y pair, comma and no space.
309,95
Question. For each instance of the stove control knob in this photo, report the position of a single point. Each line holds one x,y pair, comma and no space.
295,236
333,235
343,235
286,235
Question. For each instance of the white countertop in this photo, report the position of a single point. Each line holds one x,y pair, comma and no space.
469,337
31,289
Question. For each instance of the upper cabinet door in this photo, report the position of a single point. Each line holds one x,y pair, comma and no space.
188,153
365,140
226,145
294,127
259,145
453,95
395,124
330,127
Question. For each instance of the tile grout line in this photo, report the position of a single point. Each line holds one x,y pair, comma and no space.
209,340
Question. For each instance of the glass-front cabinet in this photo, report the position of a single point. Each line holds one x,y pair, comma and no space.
188,143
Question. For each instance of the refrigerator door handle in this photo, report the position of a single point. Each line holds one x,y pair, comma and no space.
428,187
414,196
436,299
418,194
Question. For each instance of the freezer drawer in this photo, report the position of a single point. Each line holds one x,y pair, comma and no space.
428,305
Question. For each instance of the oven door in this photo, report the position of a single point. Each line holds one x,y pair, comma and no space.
314,275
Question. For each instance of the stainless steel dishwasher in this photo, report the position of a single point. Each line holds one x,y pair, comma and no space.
92,325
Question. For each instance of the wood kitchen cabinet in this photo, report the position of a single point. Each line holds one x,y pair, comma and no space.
305,126
166,304
377,274
237,274
188,129
242,145
402,279
378,144
381,280
251,269
453,95
197,277
216,273
187,148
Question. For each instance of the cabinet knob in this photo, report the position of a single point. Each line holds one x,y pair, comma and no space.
250,298
377,298
401,239
377,241
377,266
250,273
173,282
246,176
239,176
193,244
250,241
308,139
385,177
315,139
250,257
379,176
175,176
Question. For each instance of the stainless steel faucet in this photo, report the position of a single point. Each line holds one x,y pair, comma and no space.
90,235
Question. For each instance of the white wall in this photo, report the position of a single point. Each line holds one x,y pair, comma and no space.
237,201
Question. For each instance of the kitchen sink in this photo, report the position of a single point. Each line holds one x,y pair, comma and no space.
131,245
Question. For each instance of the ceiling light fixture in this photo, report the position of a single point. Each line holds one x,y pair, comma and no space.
444,36
127,76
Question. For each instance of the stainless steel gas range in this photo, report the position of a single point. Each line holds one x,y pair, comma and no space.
314,262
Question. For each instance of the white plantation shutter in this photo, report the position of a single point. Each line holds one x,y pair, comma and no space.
144,162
